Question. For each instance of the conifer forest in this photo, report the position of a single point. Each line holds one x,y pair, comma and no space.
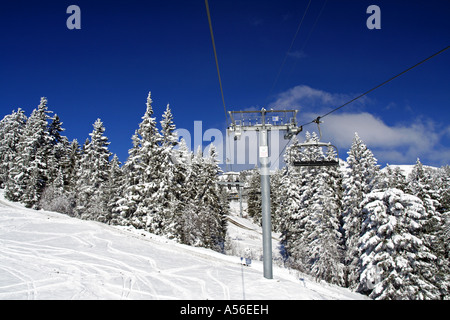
377,231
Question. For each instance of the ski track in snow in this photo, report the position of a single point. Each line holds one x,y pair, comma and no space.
45,255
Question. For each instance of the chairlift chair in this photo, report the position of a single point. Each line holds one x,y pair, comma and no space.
322,162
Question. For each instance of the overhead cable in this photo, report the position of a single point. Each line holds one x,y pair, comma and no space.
215,56
290,47
378,86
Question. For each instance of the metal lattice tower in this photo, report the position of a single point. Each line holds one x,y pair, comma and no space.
264,121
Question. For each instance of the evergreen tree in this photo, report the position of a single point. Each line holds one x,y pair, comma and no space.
309,182
276,190
127,204
150,167
93,175
190,222
204,215
422,182
290,206
396,262
447,231
73,163
30,174
11,128
254,197
208,198
165,200
326,240
113,191
309,210
392,179
169,136
360,180
55,197
142,173
291,217
59,151
182,160
151,180
444,189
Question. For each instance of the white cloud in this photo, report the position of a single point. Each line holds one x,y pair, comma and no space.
398,143
377,133
305,98
394,144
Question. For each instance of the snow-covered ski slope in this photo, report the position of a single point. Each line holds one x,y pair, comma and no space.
46,255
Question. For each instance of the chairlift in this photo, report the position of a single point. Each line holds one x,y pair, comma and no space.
322,161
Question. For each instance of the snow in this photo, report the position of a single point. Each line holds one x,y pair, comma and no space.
406,169
246,236
46,255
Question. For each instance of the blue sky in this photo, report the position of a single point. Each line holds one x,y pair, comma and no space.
127,48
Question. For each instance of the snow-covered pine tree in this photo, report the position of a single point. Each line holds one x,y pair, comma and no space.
59,156
203,222
30,174
150,169
113,191
11,128
290,205
84,146
290,215
447,231
126,205
74,158
326,239
93,175
254,196
360,179
276,190
166,200
392,178
396,262
444,188
309,212
213,202
182,160
56,196
321,195
422,182
444,200
190,211
308,180
169,136
148,200
140,175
